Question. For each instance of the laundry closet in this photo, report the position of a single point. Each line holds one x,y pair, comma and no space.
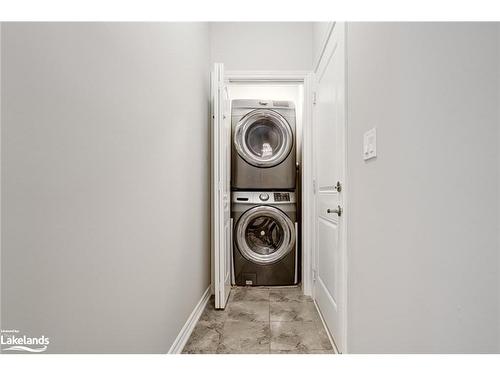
278,181
265,175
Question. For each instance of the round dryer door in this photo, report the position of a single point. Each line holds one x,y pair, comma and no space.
264,235
263,138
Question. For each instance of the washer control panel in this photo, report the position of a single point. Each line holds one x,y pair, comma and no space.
263,197
282,197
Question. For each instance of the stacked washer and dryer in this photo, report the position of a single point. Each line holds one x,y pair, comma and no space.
263,182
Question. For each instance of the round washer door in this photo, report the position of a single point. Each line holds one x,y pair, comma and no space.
264,235
263,138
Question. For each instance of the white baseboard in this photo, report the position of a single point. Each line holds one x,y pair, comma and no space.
330,337
188,327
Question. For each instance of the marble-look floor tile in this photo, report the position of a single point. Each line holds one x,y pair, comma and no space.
205,338
293,311
298,336
248,311
245,338
288,295
210,314
245,325
249,294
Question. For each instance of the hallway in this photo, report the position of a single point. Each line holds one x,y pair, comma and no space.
261,320
122,213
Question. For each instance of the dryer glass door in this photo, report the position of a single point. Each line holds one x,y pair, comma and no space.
264,235
263,138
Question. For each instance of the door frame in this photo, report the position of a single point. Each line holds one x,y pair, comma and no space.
306,78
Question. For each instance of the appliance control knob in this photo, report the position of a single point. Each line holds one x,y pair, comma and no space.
264,197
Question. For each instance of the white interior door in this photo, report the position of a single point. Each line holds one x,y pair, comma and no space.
221,202
329,146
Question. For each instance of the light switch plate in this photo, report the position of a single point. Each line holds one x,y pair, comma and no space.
370,144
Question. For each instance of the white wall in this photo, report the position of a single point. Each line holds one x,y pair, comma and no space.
319,37
262,45
105,194
423,216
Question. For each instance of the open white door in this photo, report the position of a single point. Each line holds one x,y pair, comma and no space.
221,193
329,145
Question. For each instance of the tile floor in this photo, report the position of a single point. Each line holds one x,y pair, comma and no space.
261,320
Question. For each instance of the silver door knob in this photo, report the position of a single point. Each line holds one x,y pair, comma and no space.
337,211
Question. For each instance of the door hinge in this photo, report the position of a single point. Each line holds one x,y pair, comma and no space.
315,97
314,274
314,186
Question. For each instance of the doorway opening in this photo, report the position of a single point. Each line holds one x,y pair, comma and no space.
270,237
292,87
238,96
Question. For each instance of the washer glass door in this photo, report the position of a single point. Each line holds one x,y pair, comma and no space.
263,138
264,235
